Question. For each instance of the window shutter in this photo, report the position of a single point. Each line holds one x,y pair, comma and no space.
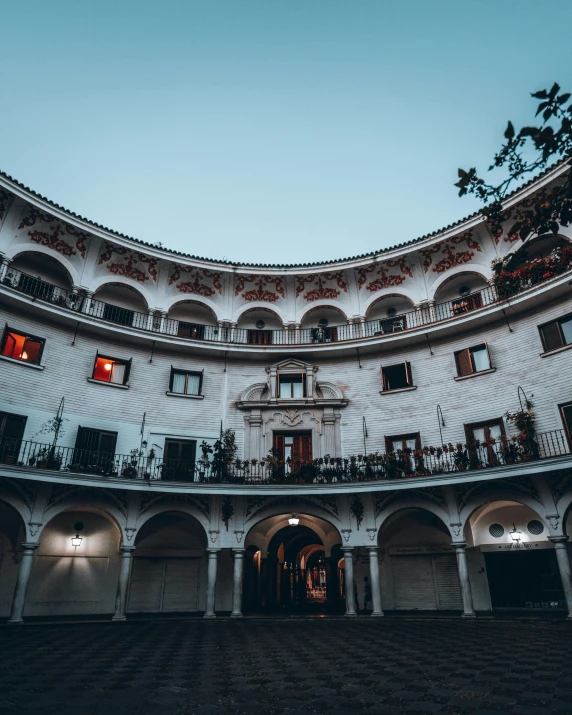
488,354
408,374
127,371
388,444
464,363
383,379
551,336
81,438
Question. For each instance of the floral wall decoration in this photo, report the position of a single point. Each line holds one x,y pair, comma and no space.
202,281
5,201
320,290
516,213
130,263
449,255
54,238
260,292
382,277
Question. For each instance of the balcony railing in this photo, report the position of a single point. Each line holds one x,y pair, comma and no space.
154,323
430,461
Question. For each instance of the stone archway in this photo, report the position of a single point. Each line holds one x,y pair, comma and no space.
12,534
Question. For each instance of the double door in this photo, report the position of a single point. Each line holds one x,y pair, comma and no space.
293,449
426,583
162,585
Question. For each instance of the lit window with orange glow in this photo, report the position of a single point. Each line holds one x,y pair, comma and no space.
111,370
20,346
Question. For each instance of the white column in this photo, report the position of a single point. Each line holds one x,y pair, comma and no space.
150,317
461,551
237,583
126,554
163,321
211,583
220,325
19,599
563,559
350,333
374,577
349,579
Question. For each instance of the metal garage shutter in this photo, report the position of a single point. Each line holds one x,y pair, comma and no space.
146,585
448,584
181,586
413,583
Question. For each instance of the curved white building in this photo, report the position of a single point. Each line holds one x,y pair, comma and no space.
179,434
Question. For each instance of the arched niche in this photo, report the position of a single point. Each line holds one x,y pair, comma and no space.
43,266
192,311
461,288
517,565
389,306
419,565
537,247
75,580
260,319
169,565
122,296
12,534
326,315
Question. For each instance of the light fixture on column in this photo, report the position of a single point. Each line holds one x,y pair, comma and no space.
293,520
77,539
515,534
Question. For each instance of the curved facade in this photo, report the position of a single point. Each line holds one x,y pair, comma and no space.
163,417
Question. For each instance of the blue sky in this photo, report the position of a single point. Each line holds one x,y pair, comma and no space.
269,130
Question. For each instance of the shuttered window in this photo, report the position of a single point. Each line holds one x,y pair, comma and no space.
396,377
556,334
472,360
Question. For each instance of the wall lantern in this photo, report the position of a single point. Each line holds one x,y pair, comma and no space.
515,534
293,520
77,539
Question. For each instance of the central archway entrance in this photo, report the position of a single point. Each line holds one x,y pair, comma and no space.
292,568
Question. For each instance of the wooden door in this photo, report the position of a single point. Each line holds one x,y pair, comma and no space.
293,449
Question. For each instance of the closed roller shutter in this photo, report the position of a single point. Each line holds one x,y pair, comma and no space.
164,584
146,585
413,583
448,584
181,589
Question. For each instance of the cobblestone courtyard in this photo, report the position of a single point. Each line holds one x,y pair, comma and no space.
388,665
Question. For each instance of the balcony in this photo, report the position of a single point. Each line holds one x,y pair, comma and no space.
452,462
79,303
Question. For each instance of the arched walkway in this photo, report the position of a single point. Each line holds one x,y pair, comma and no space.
292,567
12,534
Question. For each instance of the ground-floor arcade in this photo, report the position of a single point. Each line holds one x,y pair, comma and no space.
68,550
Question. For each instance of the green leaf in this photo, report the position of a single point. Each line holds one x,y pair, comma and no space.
541,106
564,98
509,133
543,94
554,90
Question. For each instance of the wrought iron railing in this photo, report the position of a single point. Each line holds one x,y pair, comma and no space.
155,323
426,462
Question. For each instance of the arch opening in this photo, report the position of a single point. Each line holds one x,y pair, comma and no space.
12,534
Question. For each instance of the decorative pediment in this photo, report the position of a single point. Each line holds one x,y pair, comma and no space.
291,365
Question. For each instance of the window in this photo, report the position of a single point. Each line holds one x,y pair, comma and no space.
20,346
487,437
473,360
557,334
95,449
179,461
111,370
11,433
290,386
259,337
186,383
566,412
396,377
405,444
115,314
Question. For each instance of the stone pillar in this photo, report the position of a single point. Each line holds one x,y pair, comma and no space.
220,327
211,583
237,583
297,334
150,319
362,327
374,579
162,321
255,434
350,332
233,333
331,582
461,551
563,559
126,554
329,432
349,579
19,599
432,313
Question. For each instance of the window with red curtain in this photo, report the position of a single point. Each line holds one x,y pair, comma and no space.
20,346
